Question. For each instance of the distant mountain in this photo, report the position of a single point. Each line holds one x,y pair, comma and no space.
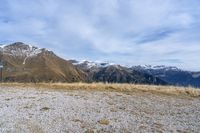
109,72
26,63
90,64
171,75
119,74
113,73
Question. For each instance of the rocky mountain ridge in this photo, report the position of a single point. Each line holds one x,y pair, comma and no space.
169,74
27,63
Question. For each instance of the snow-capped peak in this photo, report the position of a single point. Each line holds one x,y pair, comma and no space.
20,49
90,64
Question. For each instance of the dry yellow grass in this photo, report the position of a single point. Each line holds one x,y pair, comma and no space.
172,90
104,122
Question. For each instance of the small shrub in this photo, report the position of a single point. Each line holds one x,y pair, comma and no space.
104,122
44,108
90,131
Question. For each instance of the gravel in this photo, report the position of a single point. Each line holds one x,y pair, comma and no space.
33,110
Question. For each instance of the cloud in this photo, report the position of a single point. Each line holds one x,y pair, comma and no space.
129,32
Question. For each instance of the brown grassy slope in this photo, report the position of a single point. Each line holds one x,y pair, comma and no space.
171,90
44,67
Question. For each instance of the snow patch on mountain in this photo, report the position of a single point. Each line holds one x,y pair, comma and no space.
160,67
21,50
99,64
91,64
2,46
196,75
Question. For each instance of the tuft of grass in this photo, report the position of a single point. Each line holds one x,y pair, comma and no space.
7,99
45,109
113,110
127,88
90,131
28,106
104,121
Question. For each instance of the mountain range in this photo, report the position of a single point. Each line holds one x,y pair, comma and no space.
161,74
27,63
172,75
114,73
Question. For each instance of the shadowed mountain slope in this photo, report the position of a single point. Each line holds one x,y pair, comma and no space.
112,73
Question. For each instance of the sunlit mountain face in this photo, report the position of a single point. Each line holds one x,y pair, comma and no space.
27,63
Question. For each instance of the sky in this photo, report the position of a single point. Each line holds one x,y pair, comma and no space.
129,32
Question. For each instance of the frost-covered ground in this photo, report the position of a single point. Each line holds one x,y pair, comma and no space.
45,110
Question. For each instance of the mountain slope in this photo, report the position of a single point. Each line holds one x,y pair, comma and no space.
108,72
172,75
25,63
119,74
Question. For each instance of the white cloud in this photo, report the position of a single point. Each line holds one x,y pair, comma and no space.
138,32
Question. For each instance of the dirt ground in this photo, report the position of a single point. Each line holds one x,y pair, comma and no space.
33,110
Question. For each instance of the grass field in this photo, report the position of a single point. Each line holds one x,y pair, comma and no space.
171,90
